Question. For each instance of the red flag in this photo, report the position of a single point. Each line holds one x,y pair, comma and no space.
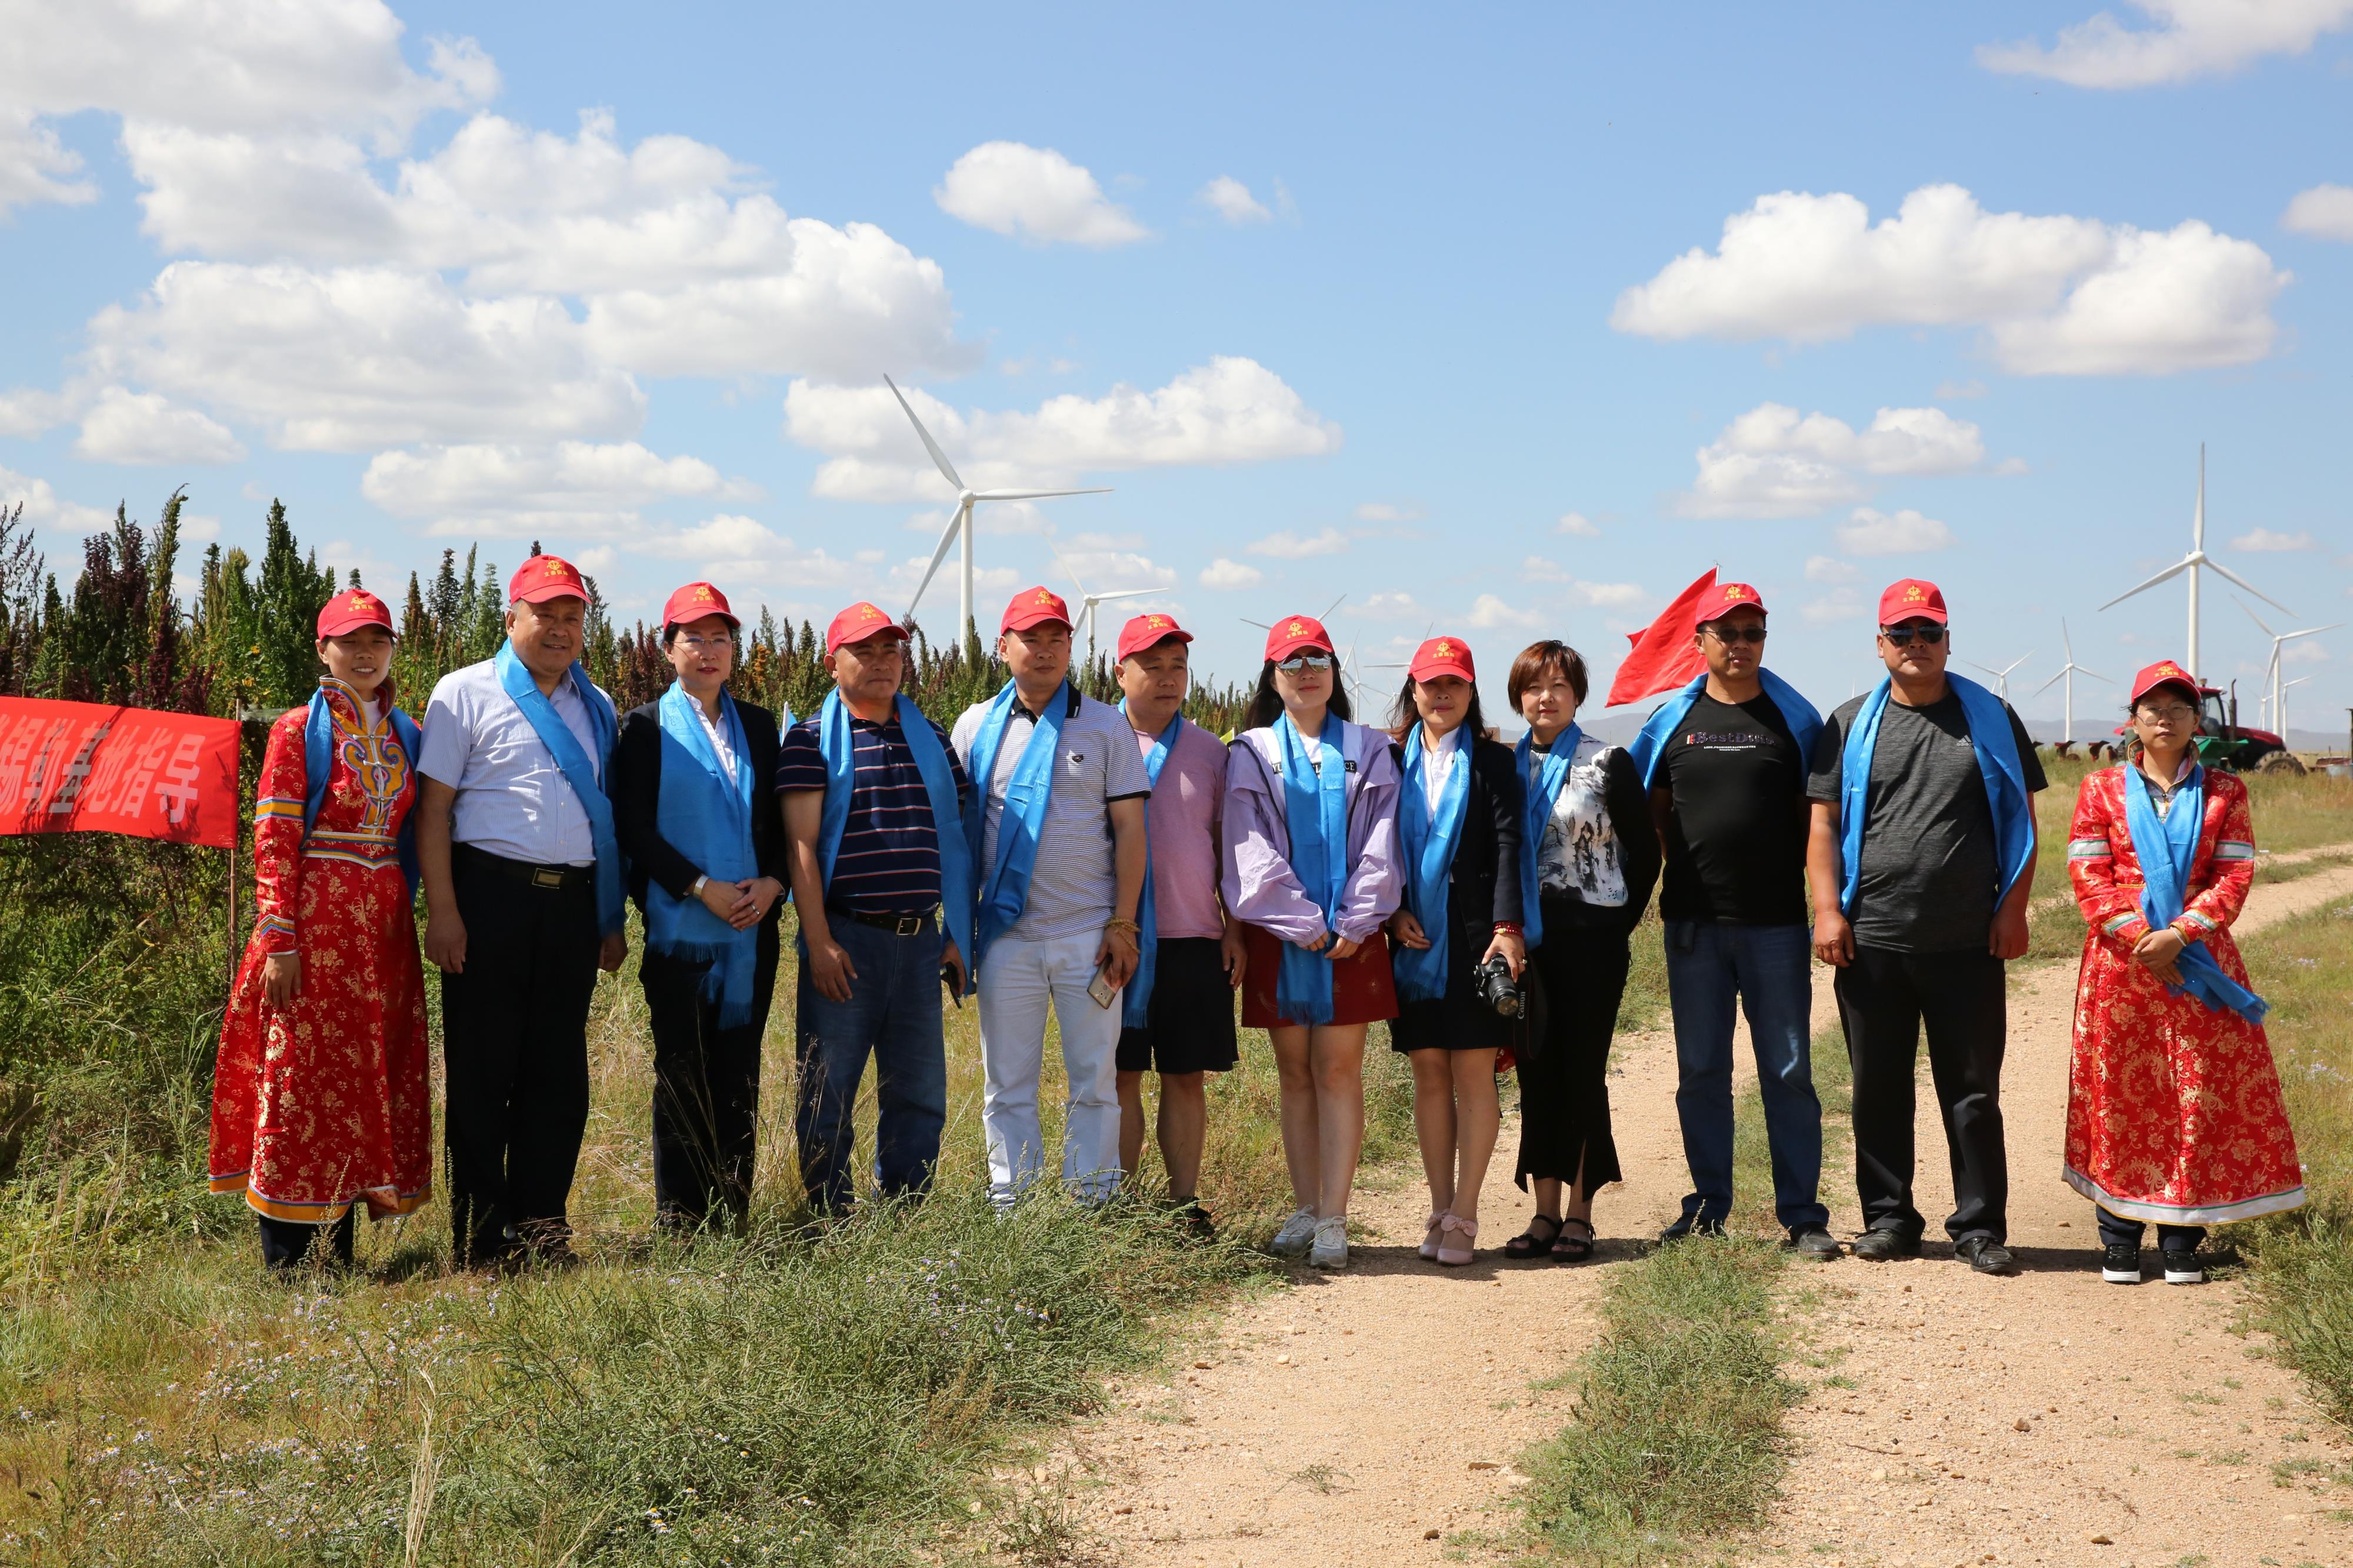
1663,656
68,767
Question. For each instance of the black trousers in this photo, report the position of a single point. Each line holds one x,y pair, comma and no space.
285,1243
2117,1231
1884,998
514,1030
706,1088
1563,1075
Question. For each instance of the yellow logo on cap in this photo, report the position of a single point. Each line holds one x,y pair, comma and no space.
360,602
1157,622
867,612
1445,649
1044,597
1732,591
1915,595
703,591
1296,629
555,569
2169,668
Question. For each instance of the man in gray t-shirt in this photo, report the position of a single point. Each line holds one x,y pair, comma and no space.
1076,918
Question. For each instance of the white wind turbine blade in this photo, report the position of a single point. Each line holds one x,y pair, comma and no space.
2249,587
2251,615
1035,495
1065,561
1259,625
1334,604
2310,631
2052,682
930,445
1122,593
2094,674
2175,570
956,520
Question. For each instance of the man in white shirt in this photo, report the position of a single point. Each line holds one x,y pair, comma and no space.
1059,870
521,880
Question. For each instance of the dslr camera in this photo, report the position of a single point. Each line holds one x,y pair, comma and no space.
1494,986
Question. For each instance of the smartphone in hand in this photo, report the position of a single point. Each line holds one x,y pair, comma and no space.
1101,988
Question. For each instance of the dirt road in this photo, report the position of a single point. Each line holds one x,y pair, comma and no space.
1366,1417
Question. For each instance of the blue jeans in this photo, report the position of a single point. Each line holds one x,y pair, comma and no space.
1769,970
893,1012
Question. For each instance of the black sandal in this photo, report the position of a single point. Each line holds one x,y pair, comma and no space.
1567,1249
1528,1243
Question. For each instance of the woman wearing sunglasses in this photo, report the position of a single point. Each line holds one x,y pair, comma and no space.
1459,839
1311,869
2173,1108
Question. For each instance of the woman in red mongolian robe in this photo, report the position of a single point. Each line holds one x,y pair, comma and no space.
2174,1113
321,1097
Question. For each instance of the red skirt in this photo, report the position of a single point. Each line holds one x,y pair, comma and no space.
1363,990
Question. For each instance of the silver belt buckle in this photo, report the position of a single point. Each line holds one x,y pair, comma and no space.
908,925
547,876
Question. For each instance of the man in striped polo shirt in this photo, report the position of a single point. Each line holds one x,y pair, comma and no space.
867,882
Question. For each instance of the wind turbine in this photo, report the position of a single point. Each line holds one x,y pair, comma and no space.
2191,564
2068,672
2001,675
960,524
1089,601
2273,690
2279,709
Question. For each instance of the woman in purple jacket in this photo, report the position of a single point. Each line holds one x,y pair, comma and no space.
1311,869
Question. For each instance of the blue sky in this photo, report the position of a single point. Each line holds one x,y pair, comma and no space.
377,263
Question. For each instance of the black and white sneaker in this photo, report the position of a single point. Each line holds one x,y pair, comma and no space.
2120,1265
2182,1267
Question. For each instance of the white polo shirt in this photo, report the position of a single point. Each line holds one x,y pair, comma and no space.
512,800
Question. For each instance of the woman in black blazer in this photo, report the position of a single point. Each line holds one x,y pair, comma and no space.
1460,784
706,865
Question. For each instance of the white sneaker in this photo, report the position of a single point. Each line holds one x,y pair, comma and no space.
1298,1232
1331,1250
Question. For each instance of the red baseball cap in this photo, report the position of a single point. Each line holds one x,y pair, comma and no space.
1442,655
354,608
2164,672
1729,596
1913,599
1150,631
545,578
1288,636
695,600
859,622
1034,607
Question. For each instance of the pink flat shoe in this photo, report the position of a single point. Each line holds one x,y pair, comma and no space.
1434,1233
1451,1254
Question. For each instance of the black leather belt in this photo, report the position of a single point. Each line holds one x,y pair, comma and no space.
555,878
897,925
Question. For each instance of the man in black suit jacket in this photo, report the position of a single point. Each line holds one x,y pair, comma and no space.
706,1048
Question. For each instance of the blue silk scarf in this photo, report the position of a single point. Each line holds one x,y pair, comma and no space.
706,816
836,744
1541,779
1997,765
1428,843
515,678
1135,1005
2167,847
1649,747
1315,810
1003,888
317,765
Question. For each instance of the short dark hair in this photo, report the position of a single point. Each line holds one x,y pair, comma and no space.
1266,704
1540,657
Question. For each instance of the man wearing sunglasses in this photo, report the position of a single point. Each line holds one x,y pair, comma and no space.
1921,859
1725,762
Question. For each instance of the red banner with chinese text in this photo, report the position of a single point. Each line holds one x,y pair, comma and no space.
81,767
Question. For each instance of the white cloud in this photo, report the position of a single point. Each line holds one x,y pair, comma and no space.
2324,212
1838,605
1604,596
35,166
1228,575
1578,524
2304,652
198,527
2264,539
2057,295
2010,469
736,548
1905,533
1489,613
1232,410
576,486
1829,569
125,426
29,412
1771,462
1008,187
1961,389
1108,570
42,506
2192,39
1287,544
1387,605
1233,202
1389,511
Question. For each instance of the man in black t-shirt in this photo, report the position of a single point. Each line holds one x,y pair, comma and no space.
1727,773
1918,906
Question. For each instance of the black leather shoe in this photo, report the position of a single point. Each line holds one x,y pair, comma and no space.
1688,1226
1880,1245
2182,1267
2120,1263
1984,1255
1814,1243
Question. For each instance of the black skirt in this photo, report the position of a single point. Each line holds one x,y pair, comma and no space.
1459,1020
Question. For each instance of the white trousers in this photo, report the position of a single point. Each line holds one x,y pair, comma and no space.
1017,979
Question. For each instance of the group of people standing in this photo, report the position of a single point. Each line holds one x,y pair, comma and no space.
1127,872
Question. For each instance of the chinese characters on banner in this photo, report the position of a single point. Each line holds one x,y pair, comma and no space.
78,767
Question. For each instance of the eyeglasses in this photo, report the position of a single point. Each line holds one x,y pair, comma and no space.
1728,635
1901,637
2176,715
1299,661
719,639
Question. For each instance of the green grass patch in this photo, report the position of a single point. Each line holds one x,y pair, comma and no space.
1676,1437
